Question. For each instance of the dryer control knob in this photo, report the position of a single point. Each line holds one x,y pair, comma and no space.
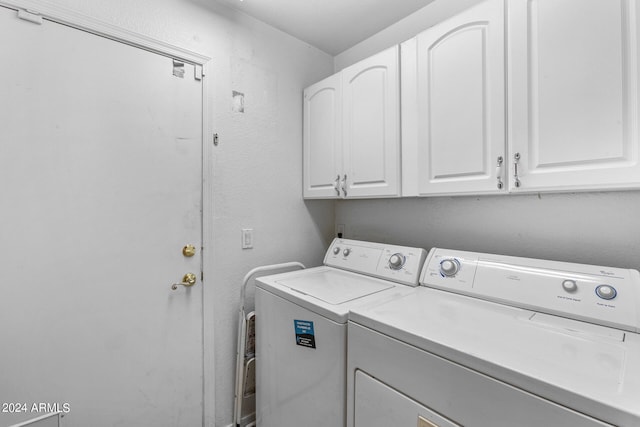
396,261
346,252
449,267
606,292
336,250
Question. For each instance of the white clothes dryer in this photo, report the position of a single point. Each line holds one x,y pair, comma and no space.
301,328
497,341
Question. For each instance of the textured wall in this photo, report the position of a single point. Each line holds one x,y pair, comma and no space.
258,162
593,228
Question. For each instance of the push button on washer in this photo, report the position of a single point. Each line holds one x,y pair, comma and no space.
570,285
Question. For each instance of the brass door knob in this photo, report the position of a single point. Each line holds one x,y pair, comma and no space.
189,250
188,280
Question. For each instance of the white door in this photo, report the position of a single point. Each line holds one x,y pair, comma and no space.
100,189
573,88
455,73
371,126
322,139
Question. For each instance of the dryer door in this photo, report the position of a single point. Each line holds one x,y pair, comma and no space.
378,405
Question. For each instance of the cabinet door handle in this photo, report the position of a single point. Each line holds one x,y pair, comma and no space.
344,185
336,185
499,172
516,178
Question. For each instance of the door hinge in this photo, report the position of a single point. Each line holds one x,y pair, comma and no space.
215,139
26,15
198,74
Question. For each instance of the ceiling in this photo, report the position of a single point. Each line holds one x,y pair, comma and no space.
330,25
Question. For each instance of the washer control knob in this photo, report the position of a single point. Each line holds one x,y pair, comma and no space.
449,267
396,261
606,292
336,250
570,285
346,252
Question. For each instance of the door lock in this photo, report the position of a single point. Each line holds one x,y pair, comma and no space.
189,251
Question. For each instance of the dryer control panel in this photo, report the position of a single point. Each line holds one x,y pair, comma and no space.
603,295
400,264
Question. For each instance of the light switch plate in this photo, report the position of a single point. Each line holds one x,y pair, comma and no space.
247,238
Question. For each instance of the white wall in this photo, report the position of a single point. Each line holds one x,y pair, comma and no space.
597,228
258,162
593,228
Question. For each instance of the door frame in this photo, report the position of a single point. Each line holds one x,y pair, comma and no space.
61,15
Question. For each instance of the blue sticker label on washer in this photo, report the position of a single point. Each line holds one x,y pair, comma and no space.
305,335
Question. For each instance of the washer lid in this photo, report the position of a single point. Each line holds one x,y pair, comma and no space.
334,287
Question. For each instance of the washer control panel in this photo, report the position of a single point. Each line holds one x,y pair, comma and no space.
602,295
400,264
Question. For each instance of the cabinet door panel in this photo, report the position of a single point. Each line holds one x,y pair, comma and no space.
459,84
574,87
456,80
366,137
371,126
322,138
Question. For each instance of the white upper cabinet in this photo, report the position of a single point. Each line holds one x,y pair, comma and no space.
322,139
573,94
507,96
453,105
371,126
351,138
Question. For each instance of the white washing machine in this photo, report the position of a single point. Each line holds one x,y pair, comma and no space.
497,341
301,328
